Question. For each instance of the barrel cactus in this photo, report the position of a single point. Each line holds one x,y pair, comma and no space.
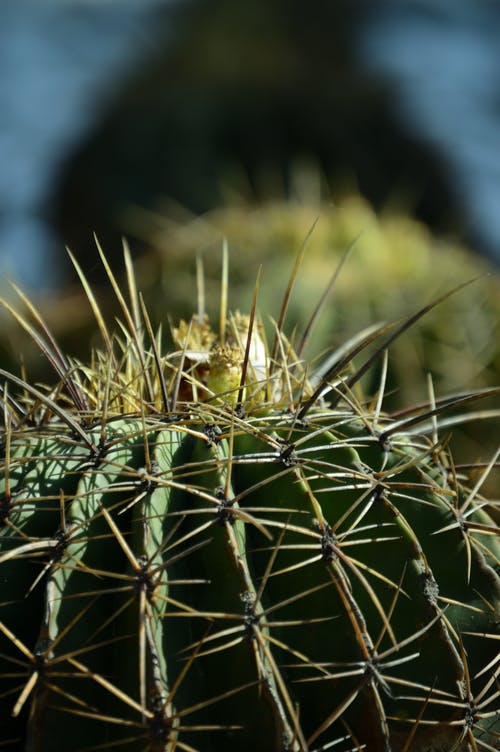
221,548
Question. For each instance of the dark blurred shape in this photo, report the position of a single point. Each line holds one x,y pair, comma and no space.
109,105
248,89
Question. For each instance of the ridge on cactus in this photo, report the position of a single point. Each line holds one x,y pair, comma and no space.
221,548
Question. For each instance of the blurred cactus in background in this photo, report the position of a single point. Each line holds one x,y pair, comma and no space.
395,264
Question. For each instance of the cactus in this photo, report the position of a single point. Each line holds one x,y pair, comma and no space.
218,548
396,263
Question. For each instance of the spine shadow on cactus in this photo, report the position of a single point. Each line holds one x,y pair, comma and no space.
214,549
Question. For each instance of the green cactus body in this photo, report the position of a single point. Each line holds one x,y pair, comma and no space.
232,573
374,547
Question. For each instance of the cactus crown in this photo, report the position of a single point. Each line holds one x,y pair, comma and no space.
219,548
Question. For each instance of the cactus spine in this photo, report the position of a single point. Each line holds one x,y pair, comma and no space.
213,550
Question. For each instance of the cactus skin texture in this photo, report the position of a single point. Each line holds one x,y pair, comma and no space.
196,557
